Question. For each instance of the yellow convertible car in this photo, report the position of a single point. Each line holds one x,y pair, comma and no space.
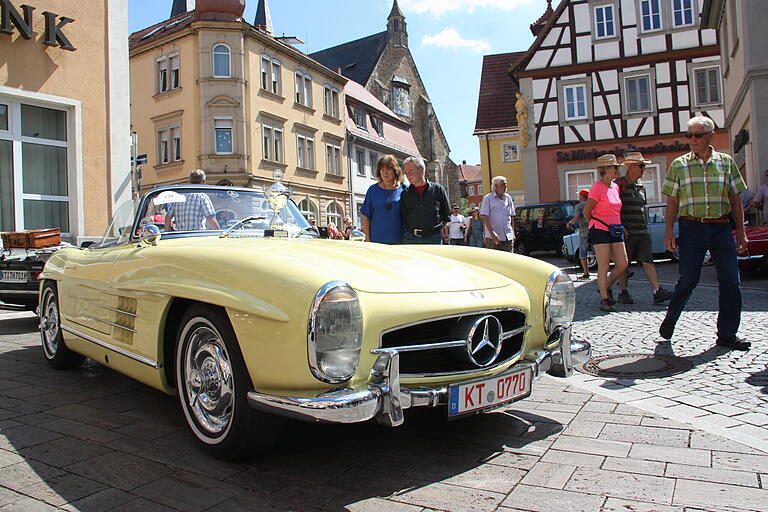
240,309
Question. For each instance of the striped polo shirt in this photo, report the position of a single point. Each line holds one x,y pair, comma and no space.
632,206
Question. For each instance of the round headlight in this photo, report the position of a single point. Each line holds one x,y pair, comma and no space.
559,301
335,333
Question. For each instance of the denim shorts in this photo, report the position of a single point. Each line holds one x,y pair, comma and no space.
602,236
583,247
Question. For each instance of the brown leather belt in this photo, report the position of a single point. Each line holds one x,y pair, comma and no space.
704,220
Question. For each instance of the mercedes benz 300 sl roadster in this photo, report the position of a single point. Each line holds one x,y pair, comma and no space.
237,306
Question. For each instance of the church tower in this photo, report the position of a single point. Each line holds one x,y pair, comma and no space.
263,19
182,6
396,27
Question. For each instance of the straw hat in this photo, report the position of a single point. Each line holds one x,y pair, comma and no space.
634,157
608,160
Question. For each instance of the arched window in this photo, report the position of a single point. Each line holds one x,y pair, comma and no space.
334,213
308,209
221,61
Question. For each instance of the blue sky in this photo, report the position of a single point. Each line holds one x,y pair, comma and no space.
447,39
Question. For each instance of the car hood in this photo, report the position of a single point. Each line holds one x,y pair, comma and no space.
367,267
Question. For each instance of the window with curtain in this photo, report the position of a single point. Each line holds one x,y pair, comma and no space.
175,78
575,102
373,158
360,159
221,61
223,133
7,200
276,77
638,93
176,141
334,213
265,66
162,147
43,123
3,117
707,85
162,75
577,180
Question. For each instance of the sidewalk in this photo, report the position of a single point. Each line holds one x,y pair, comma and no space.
92,440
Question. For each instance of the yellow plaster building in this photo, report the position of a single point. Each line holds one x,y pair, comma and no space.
500,139
211,91
64,115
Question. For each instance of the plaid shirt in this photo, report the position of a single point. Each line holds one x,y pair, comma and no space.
702,190
190,215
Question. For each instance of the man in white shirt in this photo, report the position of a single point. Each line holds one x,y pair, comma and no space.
498,214
456,227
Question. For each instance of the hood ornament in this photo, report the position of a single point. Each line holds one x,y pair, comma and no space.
277,196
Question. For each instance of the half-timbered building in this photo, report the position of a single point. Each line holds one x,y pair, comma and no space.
606,76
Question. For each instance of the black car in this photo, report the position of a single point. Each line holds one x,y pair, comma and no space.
541,227
19,269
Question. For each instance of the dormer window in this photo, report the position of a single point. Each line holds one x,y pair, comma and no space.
378,126
360,120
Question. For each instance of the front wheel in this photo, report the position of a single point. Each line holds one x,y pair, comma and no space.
56,352
213,384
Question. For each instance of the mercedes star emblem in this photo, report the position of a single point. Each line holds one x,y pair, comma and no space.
484,341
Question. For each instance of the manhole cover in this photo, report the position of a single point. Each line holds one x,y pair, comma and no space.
636,366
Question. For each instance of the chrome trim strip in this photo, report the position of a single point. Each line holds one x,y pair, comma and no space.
111,323
515,332
121,351
134,315
19,292
462,372
747,258
425,346
445,317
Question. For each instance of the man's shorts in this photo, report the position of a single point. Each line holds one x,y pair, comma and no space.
639,248
602,236
583,247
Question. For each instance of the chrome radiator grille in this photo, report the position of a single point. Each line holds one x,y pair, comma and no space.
442,346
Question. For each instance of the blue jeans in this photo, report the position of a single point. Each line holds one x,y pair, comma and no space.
694,240
436,239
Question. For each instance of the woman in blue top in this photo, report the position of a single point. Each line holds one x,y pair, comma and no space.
381,208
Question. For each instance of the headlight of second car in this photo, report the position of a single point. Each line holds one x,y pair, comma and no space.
335,333
559,301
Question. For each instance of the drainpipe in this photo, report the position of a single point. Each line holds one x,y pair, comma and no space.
488,157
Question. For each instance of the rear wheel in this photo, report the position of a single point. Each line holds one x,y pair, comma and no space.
56,352
213,384
563,251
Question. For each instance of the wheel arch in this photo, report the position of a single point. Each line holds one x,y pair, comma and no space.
176,310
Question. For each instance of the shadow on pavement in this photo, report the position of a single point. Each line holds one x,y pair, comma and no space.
21,325
759,379
79,433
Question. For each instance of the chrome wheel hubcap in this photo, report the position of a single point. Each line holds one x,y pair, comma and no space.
209,380
49,323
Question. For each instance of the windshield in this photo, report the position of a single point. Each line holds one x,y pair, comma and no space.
200,210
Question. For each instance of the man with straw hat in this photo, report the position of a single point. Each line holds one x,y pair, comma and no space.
633,217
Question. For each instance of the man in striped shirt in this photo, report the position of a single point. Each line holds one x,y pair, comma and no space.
633,217
703,186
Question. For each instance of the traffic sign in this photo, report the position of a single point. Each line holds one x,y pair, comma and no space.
141,159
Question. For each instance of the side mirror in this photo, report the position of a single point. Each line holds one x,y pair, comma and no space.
357,236
149,235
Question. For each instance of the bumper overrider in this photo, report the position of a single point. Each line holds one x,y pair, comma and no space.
384,399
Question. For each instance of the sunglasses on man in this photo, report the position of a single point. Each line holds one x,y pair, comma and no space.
699,135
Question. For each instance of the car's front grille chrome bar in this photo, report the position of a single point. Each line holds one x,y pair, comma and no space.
446,344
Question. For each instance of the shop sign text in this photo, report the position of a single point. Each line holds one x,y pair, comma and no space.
54,36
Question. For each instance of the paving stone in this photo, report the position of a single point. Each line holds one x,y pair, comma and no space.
595,406
186,491
489,478
717,495
8,496
64,451
539,499
650,421
584,428
725,476
740,461
647,435
546,474
514,460
750,431
592,446
694,401
62,489
686,411
24,436
609,418
643,467
691,456
622,485
8,458
108,499
574,459
720,420
120,470
23,474
451,498
624,505
142,505
655,401
725,409
707,441
27,504
377,505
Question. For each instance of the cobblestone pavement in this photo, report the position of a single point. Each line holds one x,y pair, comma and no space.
726,392
92,440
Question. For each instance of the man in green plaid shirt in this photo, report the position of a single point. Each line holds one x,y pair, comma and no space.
703,188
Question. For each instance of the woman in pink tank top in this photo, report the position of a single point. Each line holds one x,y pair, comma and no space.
603,209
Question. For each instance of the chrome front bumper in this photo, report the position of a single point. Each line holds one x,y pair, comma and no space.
384,399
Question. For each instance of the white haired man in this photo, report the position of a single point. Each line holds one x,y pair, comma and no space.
703,187
424,206
498,214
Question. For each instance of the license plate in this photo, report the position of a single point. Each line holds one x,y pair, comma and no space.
14,276
488,393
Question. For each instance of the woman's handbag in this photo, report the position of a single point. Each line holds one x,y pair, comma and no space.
615,230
